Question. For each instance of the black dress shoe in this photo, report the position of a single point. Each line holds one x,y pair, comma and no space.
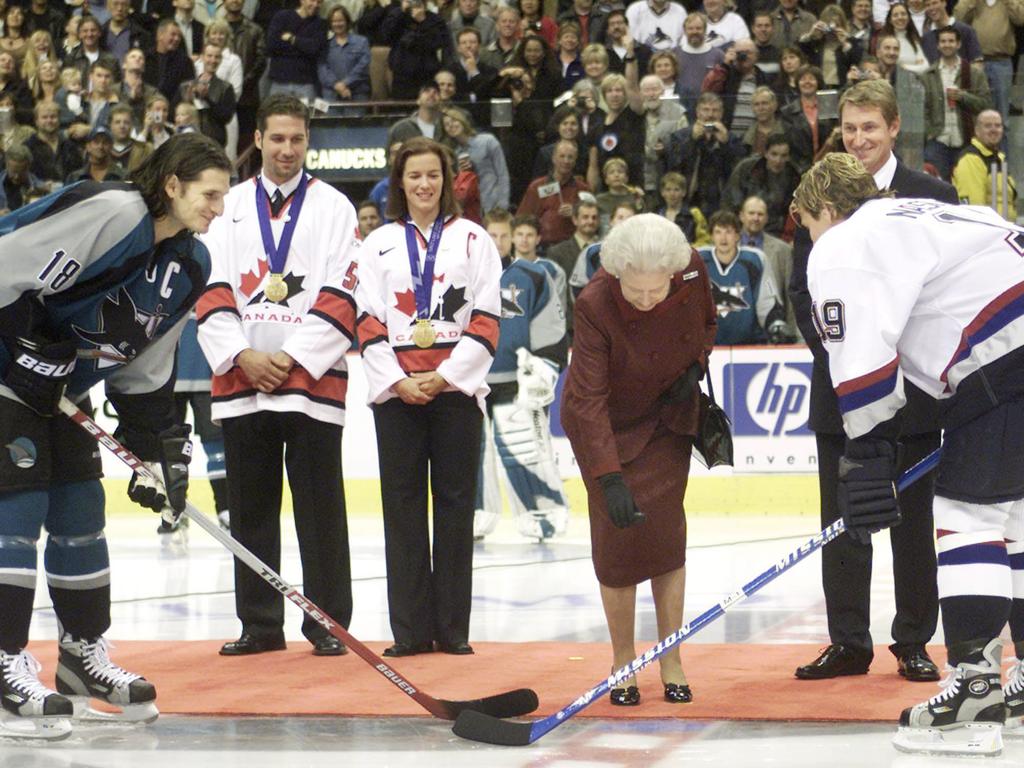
329,646
624,697
678,694
458,648
836,661
916,665
409,649
248,644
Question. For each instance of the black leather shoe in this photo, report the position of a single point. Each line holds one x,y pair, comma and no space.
408,649
916,665
458,648
248,644
329,646
678,694
836,661
624,697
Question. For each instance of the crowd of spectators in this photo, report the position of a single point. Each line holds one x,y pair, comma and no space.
685,109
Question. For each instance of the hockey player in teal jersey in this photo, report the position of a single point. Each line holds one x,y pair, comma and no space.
97,283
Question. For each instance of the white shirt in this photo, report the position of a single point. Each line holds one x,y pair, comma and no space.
644,25
727,30
883,176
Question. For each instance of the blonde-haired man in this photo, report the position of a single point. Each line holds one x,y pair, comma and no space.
877,312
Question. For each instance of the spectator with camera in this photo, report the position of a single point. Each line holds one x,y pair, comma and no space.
533,21
705,154
535,58
420,46
735,79
829,46
156,128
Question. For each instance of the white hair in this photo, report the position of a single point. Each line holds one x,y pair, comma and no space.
646,242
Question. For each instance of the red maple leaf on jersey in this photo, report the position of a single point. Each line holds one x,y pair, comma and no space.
439,278
405,302
250,282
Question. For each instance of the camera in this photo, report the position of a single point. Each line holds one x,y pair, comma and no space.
517,84
709,128
155,118
830,28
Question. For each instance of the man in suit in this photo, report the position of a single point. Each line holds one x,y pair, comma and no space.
869,117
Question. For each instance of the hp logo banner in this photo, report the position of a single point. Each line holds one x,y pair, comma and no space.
767,399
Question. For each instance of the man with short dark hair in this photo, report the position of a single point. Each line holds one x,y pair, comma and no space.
762,29
54,155
586,219
473,77
126,152
777,254
937,18
213,97
425,121
617,40
955,91
168,66
772,177
369,218
279,373
791,22
122,32
16,179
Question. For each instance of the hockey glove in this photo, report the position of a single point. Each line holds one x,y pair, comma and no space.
867,488
617,497
536,379
777,333
39,370
166,494
682,389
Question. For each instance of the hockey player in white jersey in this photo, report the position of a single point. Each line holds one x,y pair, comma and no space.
933,294
531,351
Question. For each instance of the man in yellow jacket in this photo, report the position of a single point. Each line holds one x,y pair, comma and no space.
981,164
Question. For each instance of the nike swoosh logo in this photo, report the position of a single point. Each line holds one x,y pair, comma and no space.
235,221
386,250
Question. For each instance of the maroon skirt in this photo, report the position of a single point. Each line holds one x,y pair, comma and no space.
657,479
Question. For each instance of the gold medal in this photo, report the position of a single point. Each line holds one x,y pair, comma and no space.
424,335
276,288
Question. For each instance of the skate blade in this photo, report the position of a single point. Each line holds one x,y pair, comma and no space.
145,712
35,728
984,739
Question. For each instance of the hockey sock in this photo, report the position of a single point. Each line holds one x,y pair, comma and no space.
16,609
220,493
21,520
968,617
77,560
1015,551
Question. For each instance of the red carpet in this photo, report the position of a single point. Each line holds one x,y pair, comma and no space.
730,682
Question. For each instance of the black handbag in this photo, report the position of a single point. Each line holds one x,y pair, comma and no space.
713,444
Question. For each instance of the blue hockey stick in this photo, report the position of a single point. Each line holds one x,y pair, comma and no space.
478,726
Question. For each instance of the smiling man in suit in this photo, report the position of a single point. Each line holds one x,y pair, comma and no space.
870,121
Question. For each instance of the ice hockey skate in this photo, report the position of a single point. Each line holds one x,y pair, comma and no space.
30,709
966,718
85,672
1013,692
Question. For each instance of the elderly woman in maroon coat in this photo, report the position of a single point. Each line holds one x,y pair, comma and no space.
645,326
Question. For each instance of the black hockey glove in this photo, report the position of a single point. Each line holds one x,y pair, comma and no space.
867,487
166,494
38,371
682,388
617,497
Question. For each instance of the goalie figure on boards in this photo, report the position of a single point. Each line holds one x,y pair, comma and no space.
531,350
97,284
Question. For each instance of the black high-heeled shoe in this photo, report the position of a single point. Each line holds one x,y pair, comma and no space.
678,694
624,697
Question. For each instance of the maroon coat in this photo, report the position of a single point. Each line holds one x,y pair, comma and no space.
623,360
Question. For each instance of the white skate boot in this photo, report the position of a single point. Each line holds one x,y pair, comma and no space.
1013,692
86,672
173,537
966,718
30,709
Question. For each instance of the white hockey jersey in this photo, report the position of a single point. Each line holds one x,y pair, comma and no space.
315,324
465,308
921,289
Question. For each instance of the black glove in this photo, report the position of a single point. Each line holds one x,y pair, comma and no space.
682,388
38,371
867,487
166,494
617,497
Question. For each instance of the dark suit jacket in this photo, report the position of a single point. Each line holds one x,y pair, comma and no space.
921,413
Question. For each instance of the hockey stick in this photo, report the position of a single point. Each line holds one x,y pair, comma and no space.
510,704
478,726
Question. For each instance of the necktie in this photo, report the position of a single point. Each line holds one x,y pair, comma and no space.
276,203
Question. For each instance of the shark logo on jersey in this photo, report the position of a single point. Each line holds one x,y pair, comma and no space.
123,331
728,298
23,452
510,302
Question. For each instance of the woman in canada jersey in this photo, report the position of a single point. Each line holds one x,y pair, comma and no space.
429,304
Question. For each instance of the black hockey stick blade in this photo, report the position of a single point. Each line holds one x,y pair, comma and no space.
478,726
521,701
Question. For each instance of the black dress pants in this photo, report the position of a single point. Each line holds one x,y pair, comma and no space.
430,585
311,449
846,565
